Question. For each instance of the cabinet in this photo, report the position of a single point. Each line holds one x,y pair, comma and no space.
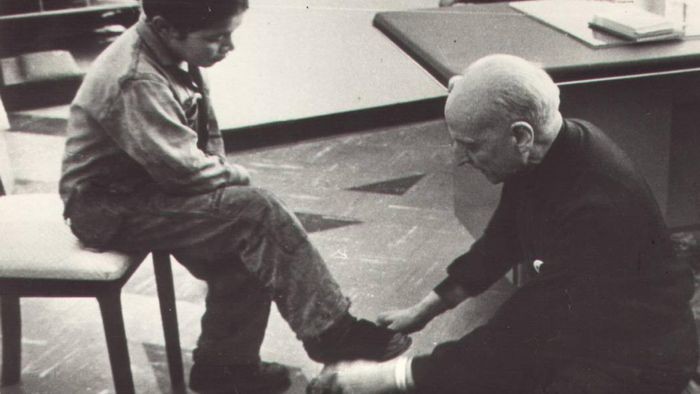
23,9
32,25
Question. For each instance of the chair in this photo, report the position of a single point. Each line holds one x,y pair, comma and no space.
40,257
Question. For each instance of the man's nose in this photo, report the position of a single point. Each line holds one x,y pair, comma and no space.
466,159
461,155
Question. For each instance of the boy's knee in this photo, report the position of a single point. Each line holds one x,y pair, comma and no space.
253,200
264,197
266,212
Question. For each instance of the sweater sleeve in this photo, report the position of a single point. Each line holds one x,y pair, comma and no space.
149,124
615,271
490,257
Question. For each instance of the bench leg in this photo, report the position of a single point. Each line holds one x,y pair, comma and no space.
11,321
166,297
113,321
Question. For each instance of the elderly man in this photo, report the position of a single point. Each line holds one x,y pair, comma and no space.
607,311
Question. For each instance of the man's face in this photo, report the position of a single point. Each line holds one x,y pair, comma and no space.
483,142
208,46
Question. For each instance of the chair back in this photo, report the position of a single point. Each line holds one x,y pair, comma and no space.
7,180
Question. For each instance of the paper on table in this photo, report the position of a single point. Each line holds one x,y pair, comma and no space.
632,22
573,16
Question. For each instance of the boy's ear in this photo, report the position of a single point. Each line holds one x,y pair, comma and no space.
163,27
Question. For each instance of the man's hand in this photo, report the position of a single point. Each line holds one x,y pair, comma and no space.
414,318
356,377
404,320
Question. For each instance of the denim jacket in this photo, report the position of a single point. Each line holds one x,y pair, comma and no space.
133,124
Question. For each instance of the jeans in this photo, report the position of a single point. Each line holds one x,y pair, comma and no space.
247,246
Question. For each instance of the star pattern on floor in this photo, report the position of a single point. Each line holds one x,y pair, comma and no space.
313,222
396,186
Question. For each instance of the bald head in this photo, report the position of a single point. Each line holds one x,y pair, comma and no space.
504,99
506,88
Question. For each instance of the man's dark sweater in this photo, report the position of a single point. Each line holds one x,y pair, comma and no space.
608,290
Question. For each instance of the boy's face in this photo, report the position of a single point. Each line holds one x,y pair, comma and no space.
208,46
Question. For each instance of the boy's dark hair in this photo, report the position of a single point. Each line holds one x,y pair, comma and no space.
190,15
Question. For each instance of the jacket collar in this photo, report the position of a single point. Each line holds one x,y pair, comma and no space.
558,161
163,55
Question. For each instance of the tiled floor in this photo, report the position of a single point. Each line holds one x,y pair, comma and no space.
378,205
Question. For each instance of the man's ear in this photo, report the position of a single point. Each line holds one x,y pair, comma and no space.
524,135
163,27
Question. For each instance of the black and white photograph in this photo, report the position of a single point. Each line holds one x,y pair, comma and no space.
349,196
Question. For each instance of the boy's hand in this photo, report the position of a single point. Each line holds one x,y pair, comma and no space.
243,177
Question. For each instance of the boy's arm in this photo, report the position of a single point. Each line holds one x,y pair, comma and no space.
148,123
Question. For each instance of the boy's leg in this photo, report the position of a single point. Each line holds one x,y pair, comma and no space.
250,228
246,228
234,322
227,356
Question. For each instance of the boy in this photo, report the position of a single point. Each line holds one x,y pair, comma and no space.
144,169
